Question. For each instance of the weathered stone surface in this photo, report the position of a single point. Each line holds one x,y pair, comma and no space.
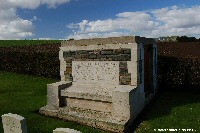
83,56
83,51
92,56
90,92
89,104
124,76
118,51
127,51
92,118
65,130
110,40
123,67
107,52
125,79
67,54
121,106
54,99
95,72
13,123
87,54
69,59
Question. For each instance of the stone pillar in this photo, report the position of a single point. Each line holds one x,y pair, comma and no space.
132,65
62,65
13,123
54,99
65,130
125,103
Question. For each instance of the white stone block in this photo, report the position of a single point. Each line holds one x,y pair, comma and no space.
121,102
65,130
54,99
134,54
132,68
89,104
89,91
61,58
61,73
13,123
92,47
62,77
62,65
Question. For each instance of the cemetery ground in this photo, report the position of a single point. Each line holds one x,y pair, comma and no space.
24,95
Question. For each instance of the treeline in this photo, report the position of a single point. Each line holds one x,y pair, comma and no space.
187,39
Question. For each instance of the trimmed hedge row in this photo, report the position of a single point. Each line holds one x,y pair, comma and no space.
9,43
178,73
30,61
179,65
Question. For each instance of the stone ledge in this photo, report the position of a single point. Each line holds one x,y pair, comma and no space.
99,93
65,130
110,40
61,83
89,104
87,113
14,116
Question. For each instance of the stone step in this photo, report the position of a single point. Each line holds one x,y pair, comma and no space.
100,119
96,119
91,92
87,113
89,104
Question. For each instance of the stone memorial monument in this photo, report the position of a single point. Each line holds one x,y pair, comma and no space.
105,82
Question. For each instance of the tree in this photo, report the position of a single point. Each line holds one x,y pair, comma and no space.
186,39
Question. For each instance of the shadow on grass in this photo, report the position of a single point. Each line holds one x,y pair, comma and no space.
35,111
179,84
163,104
166,100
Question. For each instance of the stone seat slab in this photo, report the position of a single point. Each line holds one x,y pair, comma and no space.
92,92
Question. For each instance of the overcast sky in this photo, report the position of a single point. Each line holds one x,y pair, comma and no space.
64,19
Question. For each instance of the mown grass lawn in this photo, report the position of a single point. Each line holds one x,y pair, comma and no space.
173,110
24,95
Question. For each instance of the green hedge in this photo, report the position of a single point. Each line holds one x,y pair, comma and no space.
178,73
9,43
33,63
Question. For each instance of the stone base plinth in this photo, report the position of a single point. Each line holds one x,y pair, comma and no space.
96,119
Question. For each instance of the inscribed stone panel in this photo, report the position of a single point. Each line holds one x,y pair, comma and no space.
95,72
